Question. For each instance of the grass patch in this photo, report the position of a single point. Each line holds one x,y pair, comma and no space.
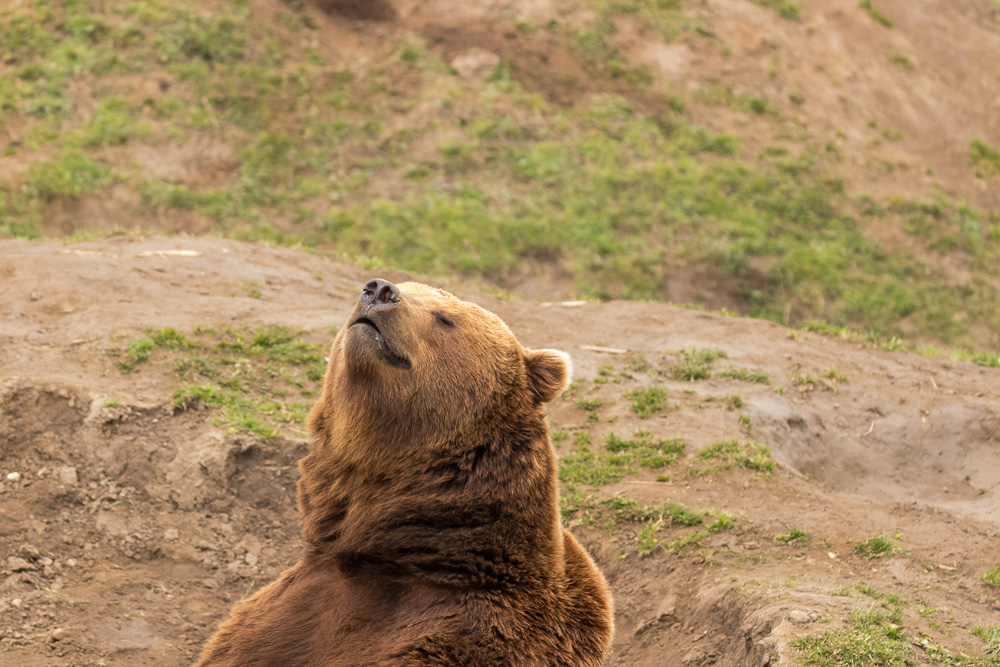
870,639
875,13
879,546
589,404
991,635
582,466
695,363
249,375
902,60
646,402
992,577
139,352
728,454
647,536
985,157
646,450
722,95
786,10
620,457
745,375
793,536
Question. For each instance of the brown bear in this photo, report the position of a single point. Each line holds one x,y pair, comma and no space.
430,506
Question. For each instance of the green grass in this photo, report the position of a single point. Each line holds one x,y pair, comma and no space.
745,375
695,363
582,466
647,536
646,450
793,536
139,351
250,375
870,640
728,454
646,402
875,637
589,404
722,95
985,157
991,635
786,10
902,60
992,577
875,13
653,521
619,458
879,546
606,191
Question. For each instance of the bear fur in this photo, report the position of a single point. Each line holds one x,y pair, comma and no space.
429,502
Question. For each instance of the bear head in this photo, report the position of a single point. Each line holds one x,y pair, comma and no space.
416,366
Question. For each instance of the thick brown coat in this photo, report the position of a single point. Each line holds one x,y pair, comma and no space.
429,503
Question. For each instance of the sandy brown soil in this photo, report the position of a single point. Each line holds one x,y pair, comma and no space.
134,528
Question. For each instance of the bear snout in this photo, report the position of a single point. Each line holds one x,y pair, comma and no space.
379,294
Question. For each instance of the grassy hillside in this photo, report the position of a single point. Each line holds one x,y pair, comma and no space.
245,119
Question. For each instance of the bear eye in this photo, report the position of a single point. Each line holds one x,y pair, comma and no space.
443,320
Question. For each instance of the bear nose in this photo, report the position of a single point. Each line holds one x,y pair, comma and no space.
379,293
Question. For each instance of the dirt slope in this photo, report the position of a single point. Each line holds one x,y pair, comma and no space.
135,526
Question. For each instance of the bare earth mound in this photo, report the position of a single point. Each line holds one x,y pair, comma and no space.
135,520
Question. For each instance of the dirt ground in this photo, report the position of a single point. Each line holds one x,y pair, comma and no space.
133,528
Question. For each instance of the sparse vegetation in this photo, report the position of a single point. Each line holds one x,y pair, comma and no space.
871,639
246,373
619,458
646,450
786,10
646,402
992,577
647,536
793,536
745,375
139,351
875,13
991,635
727,454
695,364
901,59
985,157
879,546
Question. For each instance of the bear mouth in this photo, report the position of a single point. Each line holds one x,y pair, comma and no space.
388,355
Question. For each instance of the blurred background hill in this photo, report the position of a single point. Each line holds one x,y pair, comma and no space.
802,162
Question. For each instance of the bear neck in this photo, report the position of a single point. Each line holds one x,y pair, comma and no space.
479,510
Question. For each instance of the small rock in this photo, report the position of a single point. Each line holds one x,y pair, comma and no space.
19,564
13,477
57,634
67,475
35,295
476,63
798,616
29,551
70,562
667,608
16,602
171,534
695,655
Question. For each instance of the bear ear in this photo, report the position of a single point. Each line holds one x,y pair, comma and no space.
549,372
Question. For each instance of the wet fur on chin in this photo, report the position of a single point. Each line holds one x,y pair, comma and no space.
435,540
